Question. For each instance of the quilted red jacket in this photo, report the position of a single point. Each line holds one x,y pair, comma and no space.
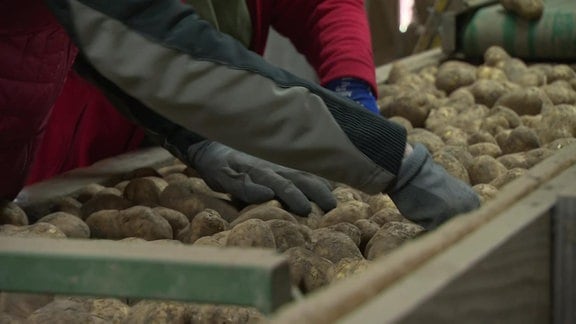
332,34
35,56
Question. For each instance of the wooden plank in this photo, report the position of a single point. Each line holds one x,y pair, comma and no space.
252,277
564,294
342,298
37,199
412,63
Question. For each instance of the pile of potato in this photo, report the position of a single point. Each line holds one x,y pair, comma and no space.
485,124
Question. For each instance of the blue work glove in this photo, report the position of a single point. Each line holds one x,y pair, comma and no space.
253,180
356,90
428,195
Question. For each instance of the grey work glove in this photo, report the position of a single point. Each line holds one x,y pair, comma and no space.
253,180
427,194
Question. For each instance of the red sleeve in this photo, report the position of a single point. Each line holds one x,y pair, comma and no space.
334,35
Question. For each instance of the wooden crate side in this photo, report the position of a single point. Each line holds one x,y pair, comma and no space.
564,258
500,273
253,277
330,304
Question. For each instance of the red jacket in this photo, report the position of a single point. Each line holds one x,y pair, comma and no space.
85,128
35,55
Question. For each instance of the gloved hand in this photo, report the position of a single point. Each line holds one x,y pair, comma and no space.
356,90
253,180
428,195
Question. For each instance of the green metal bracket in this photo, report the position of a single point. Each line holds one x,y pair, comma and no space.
250,277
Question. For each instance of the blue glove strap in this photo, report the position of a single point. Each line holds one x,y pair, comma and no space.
356,90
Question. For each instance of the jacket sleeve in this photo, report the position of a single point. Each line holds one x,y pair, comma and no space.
160,53
334,35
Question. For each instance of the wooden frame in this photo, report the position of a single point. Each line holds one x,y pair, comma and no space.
506,245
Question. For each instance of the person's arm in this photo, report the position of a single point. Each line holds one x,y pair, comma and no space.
160,53
334,36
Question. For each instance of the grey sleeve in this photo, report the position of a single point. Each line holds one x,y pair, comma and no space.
161,54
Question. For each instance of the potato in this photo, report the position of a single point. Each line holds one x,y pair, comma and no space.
451,135
34,230
452,165
489,73
109,310
347,212
495,124
344,194
471,118
264,212
109,191
525,160
68,205
439,118
205,223
308,271
526,9
412,105
181,197
487,92
147,311
485,149
175,178
430,140
367,229
379,201
176,219
209,241
508,176
171,169
346,268
287,234
514,69
481,137
387,215
390,236
560,92
495,56
63,311
525,101
21,305
143,191
454,74
208,314
485,191
11,213
71,225
88,191
137,221
484,169
251,233
521,139
335,246
557,122
560,72
510,115
349,229
461,153
531,121
459,99
104,202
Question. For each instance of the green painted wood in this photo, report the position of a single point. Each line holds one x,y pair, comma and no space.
251,277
